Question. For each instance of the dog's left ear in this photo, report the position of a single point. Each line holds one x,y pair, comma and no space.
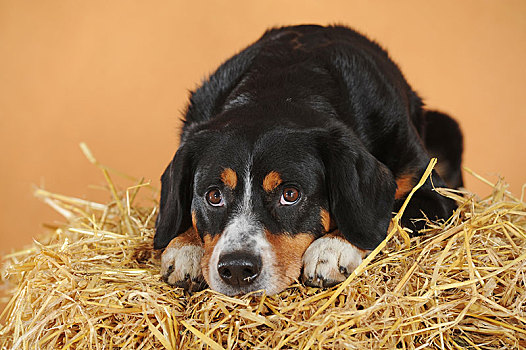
361,189
176,198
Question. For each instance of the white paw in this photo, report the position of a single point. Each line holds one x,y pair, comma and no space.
329,260
181,266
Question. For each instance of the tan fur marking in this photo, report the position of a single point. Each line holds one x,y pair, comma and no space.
339,235
325,220
289,250
209,245
194,221
229,178
189,237
405,184
271,181
180,261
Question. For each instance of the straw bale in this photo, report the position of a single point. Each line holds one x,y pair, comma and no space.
94,283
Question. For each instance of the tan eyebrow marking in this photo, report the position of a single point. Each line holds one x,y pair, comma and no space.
325,220
229,178
271,181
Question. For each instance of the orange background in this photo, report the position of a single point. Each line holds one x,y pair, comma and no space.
115,74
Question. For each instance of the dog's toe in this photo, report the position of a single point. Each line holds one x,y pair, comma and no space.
181,267
329,260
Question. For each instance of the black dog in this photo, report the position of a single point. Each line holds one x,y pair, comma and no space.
293,156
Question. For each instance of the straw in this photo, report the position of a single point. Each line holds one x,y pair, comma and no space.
94,283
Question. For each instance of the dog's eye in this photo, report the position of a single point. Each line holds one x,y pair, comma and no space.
215,198
289,196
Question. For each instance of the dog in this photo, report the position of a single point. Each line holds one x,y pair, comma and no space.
293,156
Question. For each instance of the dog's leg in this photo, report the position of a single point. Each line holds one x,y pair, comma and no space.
181,262
329,260
426,202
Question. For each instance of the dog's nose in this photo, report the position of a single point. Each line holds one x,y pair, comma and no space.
239,268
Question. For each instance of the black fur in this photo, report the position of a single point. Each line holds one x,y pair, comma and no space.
328,109
443,140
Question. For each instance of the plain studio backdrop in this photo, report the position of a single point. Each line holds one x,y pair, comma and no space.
116,75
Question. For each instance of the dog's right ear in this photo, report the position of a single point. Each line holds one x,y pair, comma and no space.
176,198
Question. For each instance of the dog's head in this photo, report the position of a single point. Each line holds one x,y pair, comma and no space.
259,192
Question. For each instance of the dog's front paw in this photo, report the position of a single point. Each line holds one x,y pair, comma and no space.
181,266
329,260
